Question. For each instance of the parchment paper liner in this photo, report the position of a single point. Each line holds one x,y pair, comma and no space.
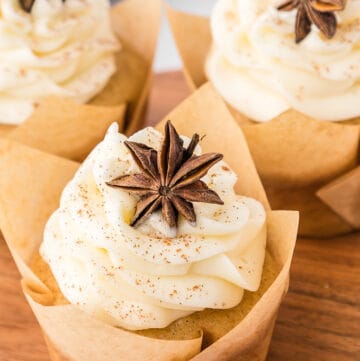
67,129
29,192
294,154
136,24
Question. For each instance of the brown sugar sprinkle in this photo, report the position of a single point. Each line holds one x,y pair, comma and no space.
218,213
173,293
167,242
197,287
183,256
183,246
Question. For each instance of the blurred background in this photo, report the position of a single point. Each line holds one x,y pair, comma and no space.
167,58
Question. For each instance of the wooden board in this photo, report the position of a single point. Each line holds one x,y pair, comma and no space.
319,320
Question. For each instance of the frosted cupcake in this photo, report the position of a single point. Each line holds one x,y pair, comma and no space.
78,52
61,48
150,230
293,66
272,56
154,252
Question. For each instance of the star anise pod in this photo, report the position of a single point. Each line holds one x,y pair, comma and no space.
317,12
169,178
28,4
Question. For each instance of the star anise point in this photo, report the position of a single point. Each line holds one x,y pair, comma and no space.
317,12
27,5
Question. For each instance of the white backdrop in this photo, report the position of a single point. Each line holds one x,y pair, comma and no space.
167,58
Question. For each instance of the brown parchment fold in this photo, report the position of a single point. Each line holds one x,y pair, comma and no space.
67,129
53,128
295,155
347,206
31,182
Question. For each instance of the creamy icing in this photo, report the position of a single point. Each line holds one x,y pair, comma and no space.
259,70
149,276
64,49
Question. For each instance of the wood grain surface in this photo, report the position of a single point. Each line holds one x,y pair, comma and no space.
319,320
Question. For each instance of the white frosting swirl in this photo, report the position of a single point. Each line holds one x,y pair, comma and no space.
64,49
259,70
149,276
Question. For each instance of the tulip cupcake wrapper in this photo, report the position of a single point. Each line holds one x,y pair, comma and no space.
71,334
304,164
52,125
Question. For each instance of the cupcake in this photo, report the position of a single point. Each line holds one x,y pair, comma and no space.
289,74
156,250
83,52
62,48
140,242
